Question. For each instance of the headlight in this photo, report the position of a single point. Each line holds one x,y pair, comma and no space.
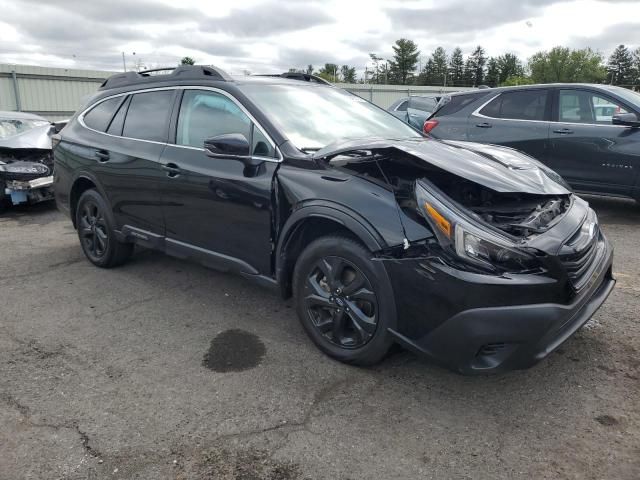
468,241
30,168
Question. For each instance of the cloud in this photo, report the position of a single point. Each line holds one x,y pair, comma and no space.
610,38
267,19
464,18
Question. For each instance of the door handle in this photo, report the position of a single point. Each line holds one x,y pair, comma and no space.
172,169
103,156
563,131
484,125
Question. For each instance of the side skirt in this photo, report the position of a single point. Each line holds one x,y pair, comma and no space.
208,258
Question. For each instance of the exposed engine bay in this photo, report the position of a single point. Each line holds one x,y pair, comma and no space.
26,158
519,214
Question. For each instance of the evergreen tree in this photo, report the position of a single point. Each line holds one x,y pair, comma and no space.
492,78
456,68
440,66
405,60
620,67
187,61
348,74
477,62
509,66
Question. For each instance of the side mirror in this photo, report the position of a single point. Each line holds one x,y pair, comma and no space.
626,119
230,145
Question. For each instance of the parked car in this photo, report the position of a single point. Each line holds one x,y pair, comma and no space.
589,134
477,256
414,109
26,160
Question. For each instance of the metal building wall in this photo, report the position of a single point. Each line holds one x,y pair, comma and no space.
54,93
385,95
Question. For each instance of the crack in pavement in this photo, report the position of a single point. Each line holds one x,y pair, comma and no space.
26,412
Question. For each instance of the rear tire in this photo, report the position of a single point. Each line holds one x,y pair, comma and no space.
344,301
96,232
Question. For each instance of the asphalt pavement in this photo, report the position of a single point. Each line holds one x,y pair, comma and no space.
164,369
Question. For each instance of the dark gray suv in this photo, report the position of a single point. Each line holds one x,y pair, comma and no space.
589,134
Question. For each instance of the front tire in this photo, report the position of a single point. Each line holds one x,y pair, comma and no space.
97,234
344,301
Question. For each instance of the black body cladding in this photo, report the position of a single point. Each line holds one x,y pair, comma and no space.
192,192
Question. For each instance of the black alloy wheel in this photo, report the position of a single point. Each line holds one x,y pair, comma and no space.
94,223
93,230
341,302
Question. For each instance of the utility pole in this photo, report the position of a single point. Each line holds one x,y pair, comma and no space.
124,65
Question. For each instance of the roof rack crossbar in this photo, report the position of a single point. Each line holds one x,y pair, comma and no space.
181,71
306,77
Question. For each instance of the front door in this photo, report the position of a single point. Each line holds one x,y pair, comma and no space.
219,207
586,149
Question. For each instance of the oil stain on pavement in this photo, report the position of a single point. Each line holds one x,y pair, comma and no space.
234,351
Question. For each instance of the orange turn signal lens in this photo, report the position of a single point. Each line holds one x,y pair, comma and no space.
442,223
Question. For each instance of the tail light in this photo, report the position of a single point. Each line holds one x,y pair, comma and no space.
429,125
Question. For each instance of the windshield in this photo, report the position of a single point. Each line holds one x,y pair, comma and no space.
629,95
312,117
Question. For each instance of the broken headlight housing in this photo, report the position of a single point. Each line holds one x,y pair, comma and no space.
468,240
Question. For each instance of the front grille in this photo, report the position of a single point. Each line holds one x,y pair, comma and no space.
584,251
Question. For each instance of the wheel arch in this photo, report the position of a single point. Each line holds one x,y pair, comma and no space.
81,184
311,222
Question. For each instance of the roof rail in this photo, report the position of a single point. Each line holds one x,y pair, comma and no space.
191,72
305,77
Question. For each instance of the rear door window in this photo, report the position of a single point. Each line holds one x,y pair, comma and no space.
521,105
148,116
98,117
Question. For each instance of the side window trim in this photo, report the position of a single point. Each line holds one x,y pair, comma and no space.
547,108
171,135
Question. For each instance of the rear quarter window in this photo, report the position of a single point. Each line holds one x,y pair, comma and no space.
148,116
98,117
458,102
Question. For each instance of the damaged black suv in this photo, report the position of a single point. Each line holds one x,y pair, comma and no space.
477,256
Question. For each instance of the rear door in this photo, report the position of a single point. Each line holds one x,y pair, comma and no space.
589,151
125,148
220,206
517,119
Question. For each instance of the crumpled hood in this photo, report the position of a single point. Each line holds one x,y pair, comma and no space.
499,168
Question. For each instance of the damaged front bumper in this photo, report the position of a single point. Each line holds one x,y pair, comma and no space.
479,324
29,191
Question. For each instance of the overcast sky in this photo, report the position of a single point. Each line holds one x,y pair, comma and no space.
266,36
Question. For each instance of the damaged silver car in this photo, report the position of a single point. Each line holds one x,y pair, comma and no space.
26,160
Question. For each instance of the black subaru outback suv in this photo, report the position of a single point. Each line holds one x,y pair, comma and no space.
477,256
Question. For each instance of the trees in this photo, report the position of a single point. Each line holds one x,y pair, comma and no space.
348,74
475,67
405,60
561,64
636,66
456,68
620,67
492,78
187,61
329,72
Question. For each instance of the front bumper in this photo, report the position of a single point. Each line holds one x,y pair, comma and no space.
29,191
485,325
